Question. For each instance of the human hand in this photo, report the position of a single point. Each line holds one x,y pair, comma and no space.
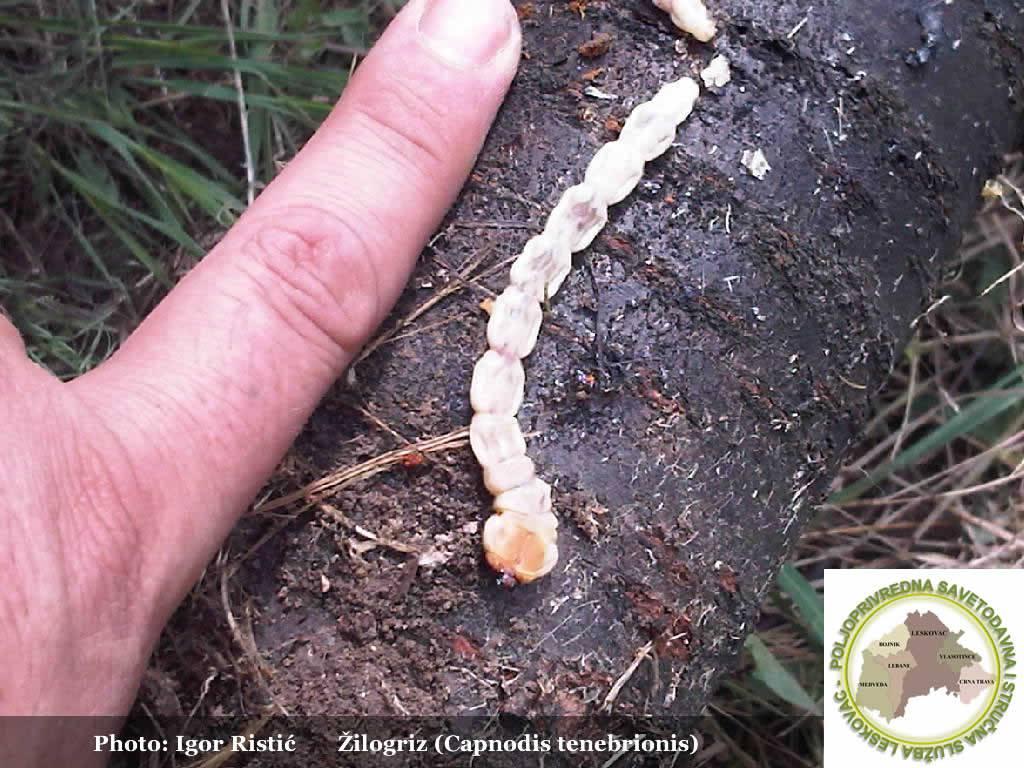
117,488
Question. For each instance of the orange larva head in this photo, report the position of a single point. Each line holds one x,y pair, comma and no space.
516,551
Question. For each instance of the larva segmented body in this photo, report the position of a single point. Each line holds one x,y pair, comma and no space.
520,537
691,16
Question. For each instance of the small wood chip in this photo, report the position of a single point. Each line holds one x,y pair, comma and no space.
596,46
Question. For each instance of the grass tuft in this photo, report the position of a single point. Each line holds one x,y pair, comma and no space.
120,141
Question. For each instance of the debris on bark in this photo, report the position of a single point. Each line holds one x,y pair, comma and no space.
716,74
596,46
756,163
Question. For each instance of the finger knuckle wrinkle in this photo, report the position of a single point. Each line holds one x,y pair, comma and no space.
409,124
101,522
318,276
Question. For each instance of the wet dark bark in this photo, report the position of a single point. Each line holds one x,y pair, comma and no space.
697,379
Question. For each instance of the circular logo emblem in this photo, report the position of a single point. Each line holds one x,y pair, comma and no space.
922,669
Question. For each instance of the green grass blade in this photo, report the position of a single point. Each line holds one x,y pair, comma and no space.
261,16
809,604
305,110
102,202
127,149
177,34
93,123
987,406
770,672
167,131
282,75
199,189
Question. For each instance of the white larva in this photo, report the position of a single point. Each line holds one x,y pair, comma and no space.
615,171
498,384
515,322
532,498
578,217
495,439
508,474
691,16
505,536
542,266
651,127
520,537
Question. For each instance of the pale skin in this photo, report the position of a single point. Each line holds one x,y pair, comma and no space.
117,488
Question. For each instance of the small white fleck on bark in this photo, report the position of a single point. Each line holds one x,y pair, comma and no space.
756,163
717,73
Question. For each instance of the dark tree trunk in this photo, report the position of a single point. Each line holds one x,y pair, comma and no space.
697,379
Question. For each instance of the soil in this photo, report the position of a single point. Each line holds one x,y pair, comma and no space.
696,382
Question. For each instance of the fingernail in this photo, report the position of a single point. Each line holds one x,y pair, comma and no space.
467,31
